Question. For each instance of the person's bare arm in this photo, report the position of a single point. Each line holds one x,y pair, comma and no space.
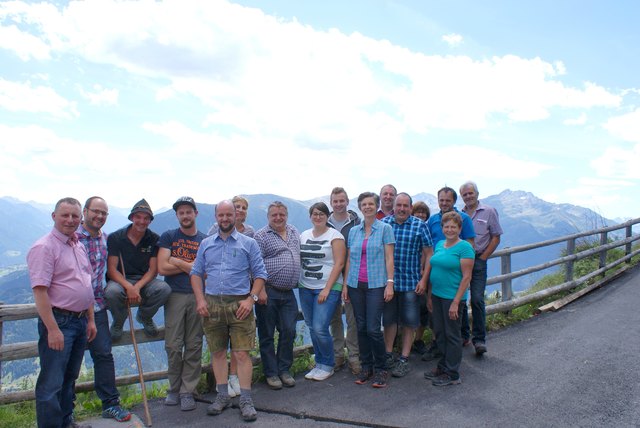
55,338
165,267
388,260
493,244
339,251
421,287
466,265
133,294
149,275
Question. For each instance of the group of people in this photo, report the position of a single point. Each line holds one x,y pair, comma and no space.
397,269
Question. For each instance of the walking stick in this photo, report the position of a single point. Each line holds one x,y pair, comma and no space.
147,413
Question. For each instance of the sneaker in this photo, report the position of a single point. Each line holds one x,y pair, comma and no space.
401,368
432,353
148,325
481,348
323,374
187,402
116,332
311,373
380,379
444,380
419,347
433,373
247,410
172,399
354,366
233,386
221,402
389,361
274,382
364,377
116,412
287,380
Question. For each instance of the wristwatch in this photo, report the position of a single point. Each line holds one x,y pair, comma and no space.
254,297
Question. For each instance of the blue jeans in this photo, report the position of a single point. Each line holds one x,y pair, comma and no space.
280,312
318,317
153,295
104,373
59,371
368,305
477,288
402,310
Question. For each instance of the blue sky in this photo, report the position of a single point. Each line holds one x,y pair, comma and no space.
215,98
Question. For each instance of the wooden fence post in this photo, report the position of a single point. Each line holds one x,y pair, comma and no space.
507,292
627,248
603,254
571,249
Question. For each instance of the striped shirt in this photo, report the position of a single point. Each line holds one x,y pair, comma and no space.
411,237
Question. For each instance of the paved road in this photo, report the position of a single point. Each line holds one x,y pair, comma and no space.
576,367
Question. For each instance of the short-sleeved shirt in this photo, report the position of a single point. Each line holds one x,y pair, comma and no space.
435,227
316,255
281,257
412,236
136,257
381,235
61,264
486,225
183,247
229,264
446,272
96,248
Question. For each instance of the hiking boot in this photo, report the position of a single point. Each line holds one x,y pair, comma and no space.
354,366
364,377
148,325
401,368
187,402
444,380
233,386
389,361
274,382
322,374
287,380
116,412
172,399
221,402
380,379
419,347
433,373
116,332
432,353
481,348
247,410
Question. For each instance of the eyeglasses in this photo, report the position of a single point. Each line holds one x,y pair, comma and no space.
99,212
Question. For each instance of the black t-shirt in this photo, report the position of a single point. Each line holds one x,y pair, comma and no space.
136,258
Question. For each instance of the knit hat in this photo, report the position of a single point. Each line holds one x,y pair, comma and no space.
141,206
184,200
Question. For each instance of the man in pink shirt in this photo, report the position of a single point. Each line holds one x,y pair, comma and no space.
60,276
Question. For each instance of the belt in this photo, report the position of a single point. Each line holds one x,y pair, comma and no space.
73,314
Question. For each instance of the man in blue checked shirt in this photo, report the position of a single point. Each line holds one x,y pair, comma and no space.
412,252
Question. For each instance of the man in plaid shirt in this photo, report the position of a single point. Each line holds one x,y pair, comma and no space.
412,252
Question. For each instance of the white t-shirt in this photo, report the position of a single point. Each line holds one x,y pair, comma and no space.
316,256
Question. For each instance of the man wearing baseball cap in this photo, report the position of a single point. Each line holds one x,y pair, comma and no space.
183,326
136,246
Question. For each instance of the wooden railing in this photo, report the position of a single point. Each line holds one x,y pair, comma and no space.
18,351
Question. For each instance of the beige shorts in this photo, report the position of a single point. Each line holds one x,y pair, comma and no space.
222,325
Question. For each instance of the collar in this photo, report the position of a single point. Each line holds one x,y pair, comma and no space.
69,240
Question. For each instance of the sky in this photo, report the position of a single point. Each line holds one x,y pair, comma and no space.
292,97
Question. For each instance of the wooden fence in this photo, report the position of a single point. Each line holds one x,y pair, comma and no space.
18,351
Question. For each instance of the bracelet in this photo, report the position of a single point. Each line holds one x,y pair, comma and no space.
389,280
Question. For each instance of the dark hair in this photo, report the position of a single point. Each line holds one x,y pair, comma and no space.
365,195
70,201
420,206
451,216
448,189
320,206
87,204
337,191
389,185
407,195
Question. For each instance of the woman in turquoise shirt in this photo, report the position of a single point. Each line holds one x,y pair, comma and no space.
449,273
369,280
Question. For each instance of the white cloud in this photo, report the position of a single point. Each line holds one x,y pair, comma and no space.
580,120
452,39
617,163
626,127
23,97
101,96
24,45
